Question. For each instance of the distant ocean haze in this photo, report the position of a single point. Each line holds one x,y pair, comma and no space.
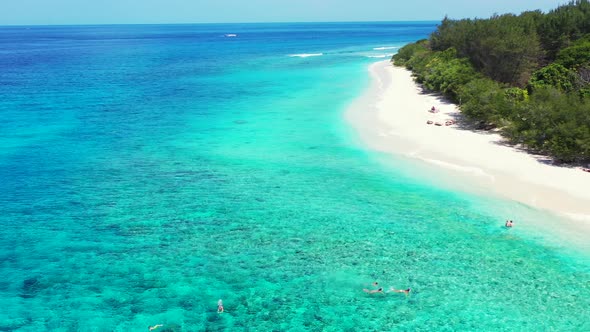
150,170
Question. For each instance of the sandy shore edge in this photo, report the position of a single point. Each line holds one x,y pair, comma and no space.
391,117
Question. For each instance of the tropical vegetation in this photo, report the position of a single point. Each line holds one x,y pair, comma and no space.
527,75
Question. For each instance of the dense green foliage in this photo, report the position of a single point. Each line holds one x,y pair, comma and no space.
563,25
577,55
528,75
505,48
553,75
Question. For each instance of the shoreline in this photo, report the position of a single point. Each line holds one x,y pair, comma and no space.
391,117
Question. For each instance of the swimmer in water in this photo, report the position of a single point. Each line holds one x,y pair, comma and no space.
368,291
508,223
219,306
406,291
151,328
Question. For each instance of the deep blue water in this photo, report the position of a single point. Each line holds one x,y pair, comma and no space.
148,171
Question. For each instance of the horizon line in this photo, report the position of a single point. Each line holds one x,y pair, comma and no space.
214,23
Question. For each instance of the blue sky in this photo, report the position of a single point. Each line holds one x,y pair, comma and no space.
213,11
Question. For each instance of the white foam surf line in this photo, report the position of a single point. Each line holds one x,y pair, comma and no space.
466,169
380,56
305,55
385,48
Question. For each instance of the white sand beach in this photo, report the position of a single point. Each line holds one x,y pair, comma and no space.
392,117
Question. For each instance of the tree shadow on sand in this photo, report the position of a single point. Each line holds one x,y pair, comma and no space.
461,122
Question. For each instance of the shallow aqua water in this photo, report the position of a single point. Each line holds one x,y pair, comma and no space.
148,171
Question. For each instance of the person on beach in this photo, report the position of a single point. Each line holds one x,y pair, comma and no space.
219,306
406,291
508,223
151,328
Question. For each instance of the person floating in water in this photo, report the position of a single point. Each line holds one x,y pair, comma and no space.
373,291
219,306
508,223
406,291
151,328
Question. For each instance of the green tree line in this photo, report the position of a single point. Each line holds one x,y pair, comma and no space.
527,74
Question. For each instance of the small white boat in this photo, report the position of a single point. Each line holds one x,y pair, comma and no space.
231,35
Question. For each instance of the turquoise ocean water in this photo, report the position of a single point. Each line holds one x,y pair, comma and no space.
148,171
